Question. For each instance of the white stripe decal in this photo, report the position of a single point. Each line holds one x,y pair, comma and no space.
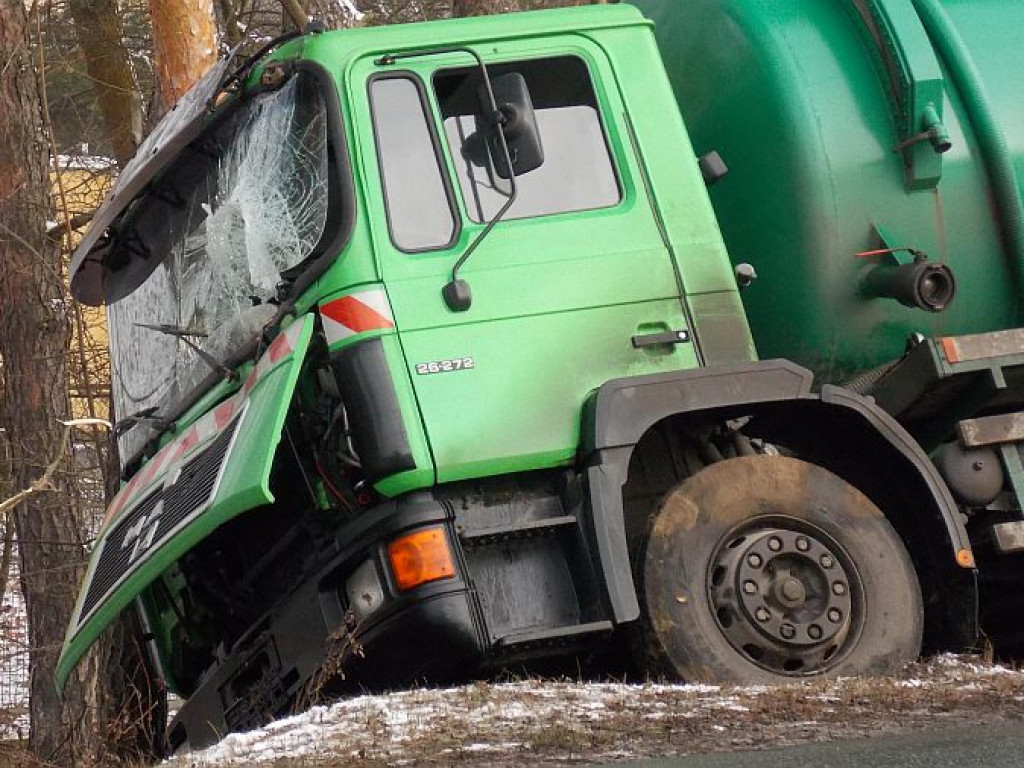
377,301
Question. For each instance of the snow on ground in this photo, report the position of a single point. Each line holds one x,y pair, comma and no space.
13,666
86,162
555,722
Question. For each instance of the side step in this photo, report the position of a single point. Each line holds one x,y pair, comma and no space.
524,530
531,570
553,638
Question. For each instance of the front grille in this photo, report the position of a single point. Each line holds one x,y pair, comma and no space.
155,518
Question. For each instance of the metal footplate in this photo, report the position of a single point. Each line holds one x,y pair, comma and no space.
556,637
534,580
524,530
1008,537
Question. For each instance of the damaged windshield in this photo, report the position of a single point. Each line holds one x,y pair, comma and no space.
245,203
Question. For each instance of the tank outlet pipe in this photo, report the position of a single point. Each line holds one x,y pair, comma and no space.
991,141
927,285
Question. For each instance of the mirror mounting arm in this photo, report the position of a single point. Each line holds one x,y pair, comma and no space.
456,293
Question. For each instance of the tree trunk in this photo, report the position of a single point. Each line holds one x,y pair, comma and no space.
99,33
34,336
133,707
184,46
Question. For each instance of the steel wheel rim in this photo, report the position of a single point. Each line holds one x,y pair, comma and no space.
786,596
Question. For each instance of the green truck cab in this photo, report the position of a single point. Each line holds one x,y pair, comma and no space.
426,341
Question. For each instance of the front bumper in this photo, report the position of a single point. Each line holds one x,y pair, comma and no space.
434,632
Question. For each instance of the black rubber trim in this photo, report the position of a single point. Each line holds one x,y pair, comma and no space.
622,411
894,434
368,392
887,62
342,214
435,142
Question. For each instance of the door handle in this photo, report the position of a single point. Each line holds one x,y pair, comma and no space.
665,337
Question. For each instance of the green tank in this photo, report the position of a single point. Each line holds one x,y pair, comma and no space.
854,126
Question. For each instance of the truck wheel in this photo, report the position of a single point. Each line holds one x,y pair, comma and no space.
766,568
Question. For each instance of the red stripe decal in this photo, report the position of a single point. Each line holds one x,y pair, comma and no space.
354,315
279,348
222,413
147,474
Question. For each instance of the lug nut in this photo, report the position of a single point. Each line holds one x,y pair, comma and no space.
750,588
762,614
839,588
814,632
803,544
774,543
827,561
835,615
754,560
788,631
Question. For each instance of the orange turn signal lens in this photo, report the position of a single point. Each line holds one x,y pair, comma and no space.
965,558
419,557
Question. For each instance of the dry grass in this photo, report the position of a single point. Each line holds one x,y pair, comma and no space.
15,754
557,723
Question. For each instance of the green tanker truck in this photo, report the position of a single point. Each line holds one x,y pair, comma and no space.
429,340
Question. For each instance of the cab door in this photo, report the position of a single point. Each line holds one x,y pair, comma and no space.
560,286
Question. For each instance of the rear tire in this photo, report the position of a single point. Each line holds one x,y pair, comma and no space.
766,569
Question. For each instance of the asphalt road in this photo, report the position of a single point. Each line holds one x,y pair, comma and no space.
992,746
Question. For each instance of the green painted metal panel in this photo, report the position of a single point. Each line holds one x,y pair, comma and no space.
519,407
792,96
907,65
557,298
261,404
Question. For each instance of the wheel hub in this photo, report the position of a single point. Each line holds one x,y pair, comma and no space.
786,597
789,592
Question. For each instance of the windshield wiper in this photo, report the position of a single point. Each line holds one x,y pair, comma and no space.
186,336
145,416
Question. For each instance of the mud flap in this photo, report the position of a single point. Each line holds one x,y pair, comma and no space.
216,469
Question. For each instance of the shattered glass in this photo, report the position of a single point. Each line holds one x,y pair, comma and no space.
252,206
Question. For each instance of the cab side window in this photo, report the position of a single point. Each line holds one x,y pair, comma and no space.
419,204
576,173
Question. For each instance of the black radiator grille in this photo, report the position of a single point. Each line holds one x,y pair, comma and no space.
155,518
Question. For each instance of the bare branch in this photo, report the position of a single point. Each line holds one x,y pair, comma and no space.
43,482
75,223
295,11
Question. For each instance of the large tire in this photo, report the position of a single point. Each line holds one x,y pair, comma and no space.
766,569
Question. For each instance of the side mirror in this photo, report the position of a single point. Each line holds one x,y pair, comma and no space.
517,120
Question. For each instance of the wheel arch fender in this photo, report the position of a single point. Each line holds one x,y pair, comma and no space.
899,477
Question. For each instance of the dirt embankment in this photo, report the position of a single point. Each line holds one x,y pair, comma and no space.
546,723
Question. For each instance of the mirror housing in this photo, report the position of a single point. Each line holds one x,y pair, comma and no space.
518,121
